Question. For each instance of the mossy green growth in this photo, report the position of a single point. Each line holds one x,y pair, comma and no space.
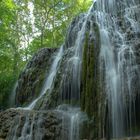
32,91
90,83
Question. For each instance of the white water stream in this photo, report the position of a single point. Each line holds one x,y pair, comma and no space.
49,79
118,58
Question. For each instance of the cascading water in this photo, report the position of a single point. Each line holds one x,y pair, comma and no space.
72,118
49,79
117,56
29,122
119,25
74,63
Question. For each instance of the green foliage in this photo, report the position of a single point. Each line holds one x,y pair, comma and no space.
25,27
52,19
10,54
6,85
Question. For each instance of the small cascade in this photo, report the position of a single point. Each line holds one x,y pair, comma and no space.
12,97
72,118
23,128
35,125
71,86
48,84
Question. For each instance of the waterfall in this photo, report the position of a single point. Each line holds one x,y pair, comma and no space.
71,86
72,117
117,56
119,28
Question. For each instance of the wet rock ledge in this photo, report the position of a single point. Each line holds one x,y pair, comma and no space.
18,123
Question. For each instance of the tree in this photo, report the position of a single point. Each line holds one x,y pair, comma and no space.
12,26
26,26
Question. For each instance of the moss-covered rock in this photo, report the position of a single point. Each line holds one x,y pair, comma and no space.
31,79
43,125
91,100
54,96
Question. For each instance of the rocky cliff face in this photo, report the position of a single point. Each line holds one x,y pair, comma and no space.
31,79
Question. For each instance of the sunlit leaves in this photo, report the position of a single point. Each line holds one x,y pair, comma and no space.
45,22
